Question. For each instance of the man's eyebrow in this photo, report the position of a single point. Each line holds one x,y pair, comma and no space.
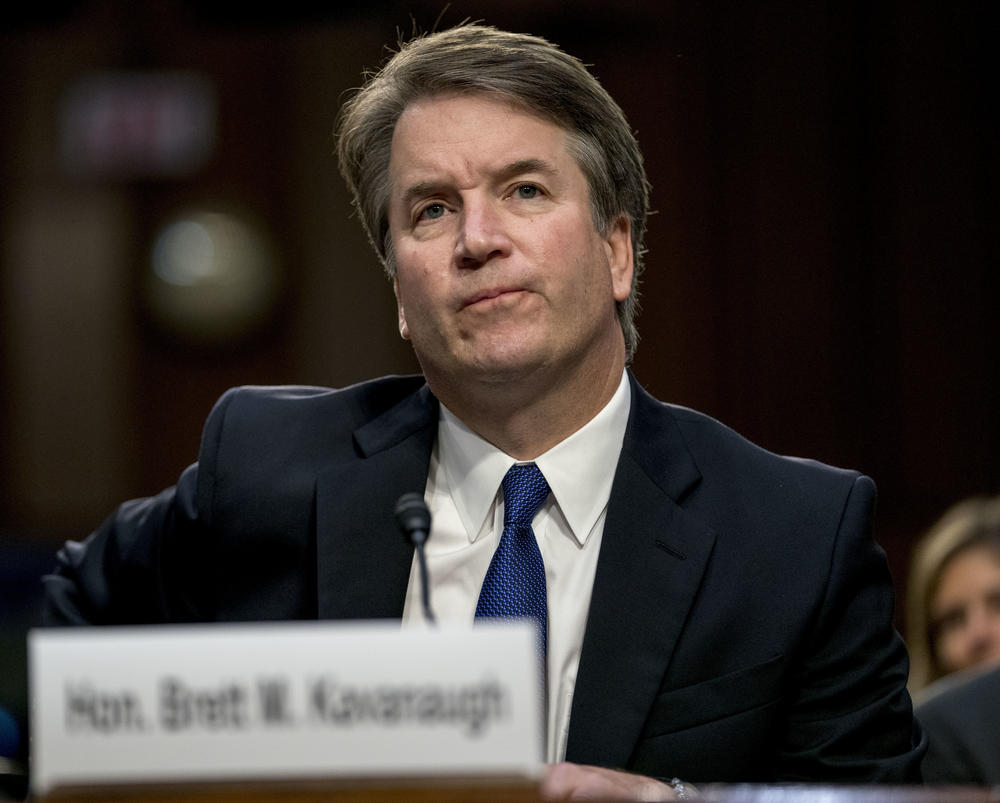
421,189
424,189
527,166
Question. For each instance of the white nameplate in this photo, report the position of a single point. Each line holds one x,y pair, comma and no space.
281,701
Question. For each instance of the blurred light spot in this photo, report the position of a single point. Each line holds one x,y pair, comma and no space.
213,277
184,253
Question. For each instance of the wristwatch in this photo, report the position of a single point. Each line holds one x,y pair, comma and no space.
683,791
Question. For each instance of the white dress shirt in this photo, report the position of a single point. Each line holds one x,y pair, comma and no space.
466,503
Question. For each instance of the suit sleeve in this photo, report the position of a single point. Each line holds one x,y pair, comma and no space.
138,567
148,562
851,718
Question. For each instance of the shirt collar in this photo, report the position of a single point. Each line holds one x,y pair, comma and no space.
579,469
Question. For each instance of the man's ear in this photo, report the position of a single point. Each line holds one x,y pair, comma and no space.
618,243
404,330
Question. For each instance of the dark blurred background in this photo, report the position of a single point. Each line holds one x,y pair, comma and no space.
822,267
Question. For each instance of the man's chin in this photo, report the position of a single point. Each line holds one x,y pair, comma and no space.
503,376
496,369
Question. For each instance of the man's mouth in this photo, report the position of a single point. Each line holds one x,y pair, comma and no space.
486,296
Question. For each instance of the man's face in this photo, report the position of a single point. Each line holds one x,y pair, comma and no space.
501,273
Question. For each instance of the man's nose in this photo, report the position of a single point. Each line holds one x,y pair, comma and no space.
482,234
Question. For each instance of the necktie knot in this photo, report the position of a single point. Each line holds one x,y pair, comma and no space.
524,491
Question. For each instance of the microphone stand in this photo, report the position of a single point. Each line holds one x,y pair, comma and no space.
414,519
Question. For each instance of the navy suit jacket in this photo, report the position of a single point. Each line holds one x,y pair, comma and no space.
740,628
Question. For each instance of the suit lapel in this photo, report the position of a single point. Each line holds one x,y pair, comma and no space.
653,555
363,561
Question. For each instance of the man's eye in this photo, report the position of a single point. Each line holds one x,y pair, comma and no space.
432,212
527,191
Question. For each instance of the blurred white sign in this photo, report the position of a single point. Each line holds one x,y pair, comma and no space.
137,124
281,701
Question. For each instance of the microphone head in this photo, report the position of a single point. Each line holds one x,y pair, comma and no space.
412,515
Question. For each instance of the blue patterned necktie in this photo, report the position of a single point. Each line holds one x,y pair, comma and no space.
515,581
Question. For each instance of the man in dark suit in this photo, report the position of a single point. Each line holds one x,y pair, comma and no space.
709,610
961,714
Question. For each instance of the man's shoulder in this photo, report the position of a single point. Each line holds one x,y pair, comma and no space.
298,423
359,401
718,449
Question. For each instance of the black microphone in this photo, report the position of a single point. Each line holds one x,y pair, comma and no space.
414,519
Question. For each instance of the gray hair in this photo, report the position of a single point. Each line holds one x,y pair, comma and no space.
525,70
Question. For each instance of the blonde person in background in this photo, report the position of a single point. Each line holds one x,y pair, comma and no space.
954,634
953,599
